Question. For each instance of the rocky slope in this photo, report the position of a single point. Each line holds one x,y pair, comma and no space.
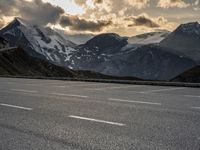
185,41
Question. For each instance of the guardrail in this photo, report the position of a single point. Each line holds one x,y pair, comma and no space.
154,83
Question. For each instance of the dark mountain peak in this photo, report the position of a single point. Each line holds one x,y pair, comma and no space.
14,24
18,21
107,40
189,28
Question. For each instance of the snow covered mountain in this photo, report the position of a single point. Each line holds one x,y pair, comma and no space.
40,42
79,38
185,41
141,56
148,38
109,54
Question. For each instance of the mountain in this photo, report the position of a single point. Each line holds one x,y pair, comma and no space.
17,62
148,38
40,42
185,41
112,55
144,57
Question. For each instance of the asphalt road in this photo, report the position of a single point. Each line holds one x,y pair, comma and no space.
67,115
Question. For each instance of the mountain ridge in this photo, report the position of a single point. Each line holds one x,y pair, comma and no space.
110,53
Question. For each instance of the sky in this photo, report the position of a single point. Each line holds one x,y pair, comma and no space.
124,17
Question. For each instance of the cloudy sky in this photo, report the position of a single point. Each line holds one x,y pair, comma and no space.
125,17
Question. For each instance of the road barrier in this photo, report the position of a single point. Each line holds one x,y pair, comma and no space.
154,83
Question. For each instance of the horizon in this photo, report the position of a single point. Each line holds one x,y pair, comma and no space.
164,30
100,16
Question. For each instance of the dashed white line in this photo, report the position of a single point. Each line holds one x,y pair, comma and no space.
74,85
196,108
15,106
96,120
115,87
160,90
22,90
70,95
130,101
194,96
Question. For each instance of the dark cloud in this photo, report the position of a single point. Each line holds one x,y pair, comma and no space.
76,23
143,20
83,2
35,11
98,1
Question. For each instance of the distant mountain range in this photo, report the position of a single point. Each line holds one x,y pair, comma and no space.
152,56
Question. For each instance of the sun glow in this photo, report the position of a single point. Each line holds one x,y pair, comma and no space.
68,5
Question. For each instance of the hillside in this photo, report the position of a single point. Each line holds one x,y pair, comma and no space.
18,62
191,75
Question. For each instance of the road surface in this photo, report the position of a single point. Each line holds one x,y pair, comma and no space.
71,115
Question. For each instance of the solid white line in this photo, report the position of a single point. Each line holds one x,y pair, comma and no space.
22,90
14,106
160,90
96,120
70,95
130,101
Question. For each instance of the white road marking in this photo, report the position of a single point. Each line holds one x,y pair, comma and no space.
96,120
192,96
70,95
14,106
75,85
116,87
196,108
130,101
22,90
160,90
60,86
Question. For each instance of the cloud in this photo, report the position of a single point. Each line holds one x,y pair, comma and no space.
196,3
76,23
139,4
143,20
125,17
80,2
35,11
172,3
97,1
85,3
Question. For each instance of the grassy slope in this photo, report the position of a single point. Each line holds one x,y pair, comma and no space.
192,75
